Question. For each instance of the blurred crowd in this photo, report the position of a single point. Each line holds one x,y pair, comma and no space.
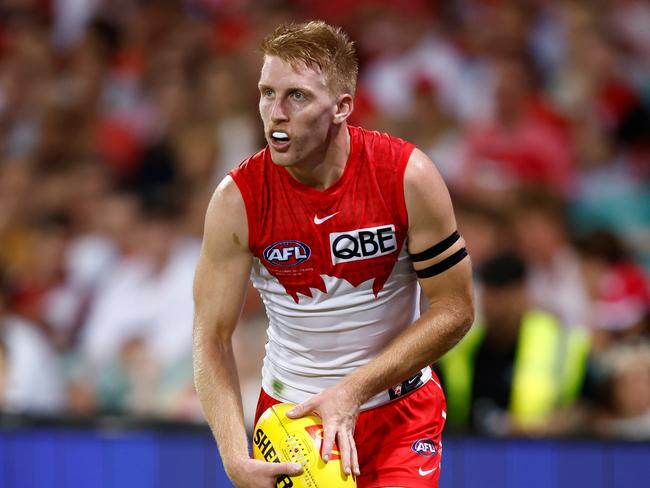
118,118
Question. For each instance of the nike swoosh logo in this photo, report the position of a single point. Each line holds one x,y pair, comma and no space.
318,221
429,471
412,381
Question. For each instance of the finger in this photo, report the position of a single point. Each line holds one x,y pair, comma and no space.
292,469
328,442
354,457
344,451
301,409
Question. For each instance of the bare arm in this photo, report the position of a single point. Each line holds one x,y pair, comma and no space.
220,285
440,327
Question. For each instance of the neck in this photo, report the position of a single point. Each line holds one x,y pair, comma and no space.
325,167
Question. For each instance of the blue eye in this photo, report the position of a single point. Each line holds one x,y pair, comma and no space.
298,95
267,92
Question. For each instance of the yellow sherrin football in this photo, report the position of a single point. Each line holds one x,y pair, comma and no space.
277,438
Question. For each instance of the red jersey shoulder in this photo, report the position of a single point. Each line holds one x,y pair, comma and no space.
250,166
385,150
385,158
249,176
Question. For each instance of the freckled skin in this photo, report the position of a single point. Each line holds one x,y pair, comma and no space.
296,99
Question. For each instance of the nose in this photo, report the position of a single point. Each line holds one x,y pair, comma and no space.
278,112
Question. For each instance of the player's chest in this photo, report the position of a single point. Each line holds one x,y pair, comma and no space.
303,234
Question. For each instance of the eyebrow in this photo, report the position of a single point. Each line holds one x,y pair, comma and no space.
262,86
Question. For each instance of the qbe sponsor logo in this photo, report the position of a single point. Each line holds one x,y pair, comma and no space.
287,253
424,447
360,244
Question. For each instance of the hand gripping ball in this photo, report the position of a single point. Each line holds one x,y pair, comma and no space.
277,438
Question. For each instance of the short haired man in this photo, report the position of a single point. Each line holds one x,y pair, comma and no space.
322,217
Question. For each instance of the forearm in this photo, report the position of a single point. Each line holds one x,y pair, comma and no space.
217,385
422,343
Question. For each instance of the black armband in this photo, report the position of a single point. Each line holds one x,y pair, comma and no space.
443,265
436,249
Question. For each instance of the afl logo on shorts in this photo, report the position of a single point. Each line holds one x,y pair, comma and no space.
360,244
424,447
287,253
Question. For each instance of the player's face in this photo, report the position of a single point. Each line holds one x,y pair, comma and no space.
297,109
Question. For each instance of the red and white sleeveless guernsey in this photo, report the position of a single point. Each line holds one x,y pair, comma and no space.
331,266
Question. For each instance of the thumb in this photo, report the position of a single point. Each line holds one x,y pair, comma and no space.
292,469
300,410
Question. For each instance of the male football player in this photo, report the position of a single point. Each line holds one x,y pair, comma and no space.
350,238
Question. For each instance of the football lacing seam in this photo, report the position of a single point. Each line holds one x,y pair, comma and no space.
298,454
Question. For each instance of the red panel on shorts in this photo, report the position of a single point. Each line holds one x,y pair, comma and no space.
399,443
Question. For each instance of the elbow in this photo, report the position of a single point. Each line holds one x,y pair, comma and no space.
465,316
210,338
467,320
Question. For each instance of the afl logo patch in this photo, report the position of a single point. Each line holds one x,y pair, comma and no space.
424,447
287,253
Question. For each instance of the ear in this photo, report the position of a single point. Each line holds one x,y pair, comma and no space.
344,107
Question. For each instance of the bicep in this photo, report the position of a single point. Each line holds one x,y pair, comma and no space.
441,260
224,265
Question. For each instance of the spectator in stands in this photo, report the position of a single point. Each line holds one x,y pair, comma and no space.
619,289
4,366
4,360
15,226
518,147
127,94
485,230
518,365
136,322
555,280
31,375
625,369
42,271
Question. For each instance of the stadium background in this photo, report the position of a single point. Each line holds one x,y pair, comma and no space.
118,118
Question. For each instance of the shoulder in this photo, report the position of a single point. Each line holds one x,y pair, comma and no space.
420,166
428,203
422,181
385,156
250,166
380,141
252,178
226,197
226,214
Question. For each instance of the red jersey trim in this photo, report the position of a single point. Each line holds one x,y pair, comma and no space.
249,204
407,150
